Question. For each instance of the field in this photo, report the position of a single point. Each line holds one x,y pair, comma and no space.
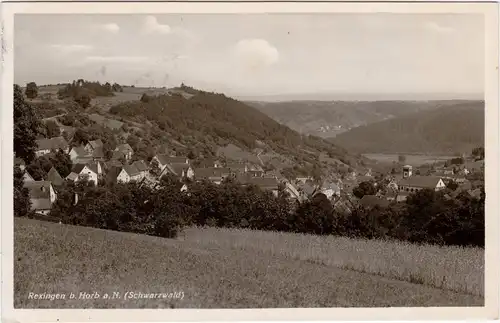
411,159
219,268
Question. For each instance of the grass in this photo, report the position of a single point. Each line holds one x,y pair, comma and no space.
213,268
452,268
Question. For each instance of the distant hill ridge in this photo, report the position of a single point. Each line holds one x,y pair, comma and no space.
457,127
330,118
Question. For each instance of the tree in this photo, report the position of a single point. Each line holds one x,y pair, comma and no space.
31,90
145,98
155,168
26,125
52,129
61,162
83,99
478,153
22,201
364,188
402,159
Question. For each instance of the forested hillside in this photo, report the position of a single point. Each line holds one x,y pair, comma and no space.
454,128
213,120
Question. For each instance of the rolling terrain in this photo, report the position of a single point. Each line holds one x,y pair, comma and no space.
228,268
449,129
330,118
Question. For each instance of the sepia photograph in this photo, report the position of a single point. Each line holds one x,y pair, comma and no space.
261,160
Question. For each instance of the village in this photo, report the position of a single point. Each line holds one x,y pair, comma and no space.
89,163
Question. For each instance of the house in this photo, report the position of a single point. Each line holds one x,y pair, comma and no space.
255,173
123,150
293,192
92,145
19,162
42,196
329,189
129,173
81,171
392,185
112,163
54,177
45,146
163,159
68,132
474,166
142,167
98,153
79,152
303,179
307,190
213,174
416,183
371,201
27,177
237,168
181,170
255,168
209,163
402,196
265,183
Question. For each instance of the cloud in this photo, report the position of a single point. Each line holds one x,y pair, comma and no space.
255,53
117,59
70,48
434,27
151,26
110,27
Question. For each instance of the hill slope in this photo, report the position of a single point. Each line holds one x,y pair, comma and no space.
220,269
214,120
330,118
449,129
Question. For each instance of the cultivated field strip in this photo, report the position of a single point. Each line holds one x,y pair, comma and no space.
452,268
51,257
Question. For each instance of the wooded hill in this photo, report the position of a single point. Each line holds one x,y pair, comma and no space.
449,129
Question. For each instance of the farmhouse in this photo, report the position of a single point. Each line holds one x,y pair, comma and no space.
210,162
416,183
237,168
42,196
165,159
92,145
123,150
181,170
213,174
129,173
87,171
45,146
142,167
78,153
329,189
265,183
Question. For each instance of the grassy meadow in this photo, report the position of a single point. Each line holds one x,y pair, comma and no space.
220,268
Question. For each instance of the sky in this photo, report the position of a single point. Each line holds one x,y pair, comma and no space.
260,55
